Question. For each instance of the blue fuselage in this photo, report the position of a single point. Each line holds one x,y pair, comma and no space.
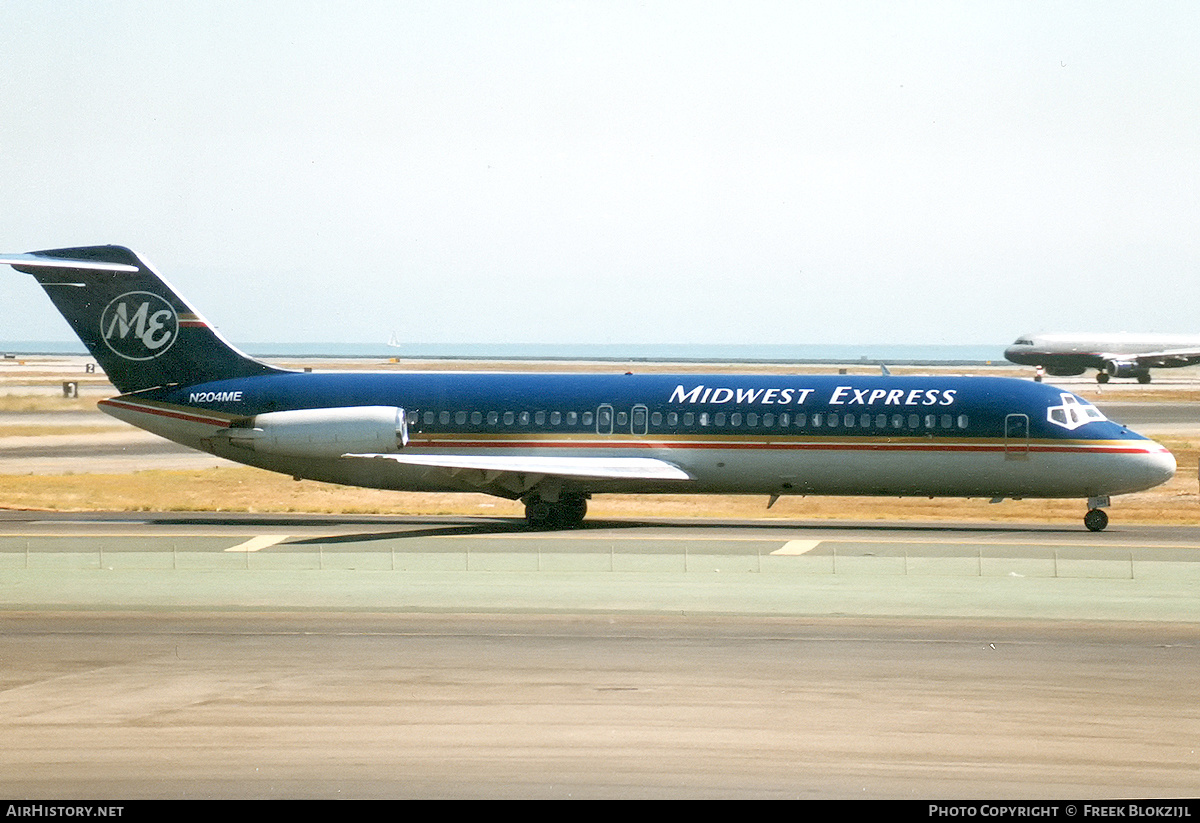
773,434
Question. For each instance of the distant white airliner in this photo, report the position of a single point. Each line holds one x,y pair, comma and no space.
1112,355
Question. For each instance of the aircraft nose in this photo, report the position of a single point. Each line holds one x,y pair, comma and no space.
1164,465
1153,468
1014,351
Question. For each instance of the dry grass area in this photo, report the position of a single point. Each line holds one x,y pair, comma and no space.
46,404
40,431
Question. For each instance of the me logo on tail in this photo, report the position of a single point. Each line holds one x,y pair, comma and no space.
139,325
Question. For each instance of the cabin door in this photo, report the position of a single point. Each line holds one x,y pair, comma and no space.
1016,437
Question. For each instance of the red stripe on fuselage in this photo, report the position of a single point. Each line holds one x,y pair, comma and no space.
842,445
171,412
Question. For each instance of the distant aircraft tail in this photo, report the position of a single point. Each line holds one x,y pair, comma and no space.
140,331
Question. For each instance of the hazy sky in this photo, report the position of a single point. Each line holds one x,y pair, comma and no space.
600,172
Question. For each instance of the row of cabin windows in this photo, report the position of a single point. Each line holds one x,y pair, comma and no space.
606,419
569,419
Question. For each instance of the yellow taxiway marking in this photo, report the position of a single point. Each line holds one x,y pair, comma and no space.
256,543
798,547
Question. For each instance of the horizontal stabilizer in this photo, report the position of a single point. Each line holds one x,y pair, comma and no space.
623,468
141,332
41,261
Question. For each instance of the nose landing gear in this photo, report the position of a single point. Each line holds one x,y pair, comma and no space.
1096,518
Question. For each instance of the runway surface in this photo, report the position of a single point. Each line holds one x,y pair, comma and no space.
447,564
159,655
347,706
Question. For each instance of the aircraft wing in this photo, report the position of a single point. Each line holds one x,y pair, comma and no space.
1162,359
519,473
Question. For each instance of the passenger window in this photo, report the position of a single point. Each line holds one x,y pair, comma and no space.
509,418
493,418
444,418
604,419
460,418
476,418
555,418
638,424
540,418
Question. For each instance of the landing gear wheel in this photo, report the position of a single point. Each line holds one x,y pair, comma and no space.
1096,520
537,514
1101,377
571,512
565,513
1144,378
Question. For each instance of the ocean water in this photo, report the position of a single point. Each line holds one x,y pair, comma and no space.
776,353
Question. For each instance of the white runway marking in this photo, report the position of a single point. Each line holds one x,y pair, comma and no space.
256,543
797,547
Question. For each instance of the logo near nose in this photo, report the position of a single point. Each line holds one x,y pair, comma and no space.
139,325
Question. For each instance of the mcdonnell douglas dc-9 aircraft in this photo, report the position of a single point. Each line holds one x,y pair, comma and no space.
554,440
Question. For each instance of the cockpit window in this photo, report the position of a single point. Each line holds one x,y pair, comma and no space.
1073,413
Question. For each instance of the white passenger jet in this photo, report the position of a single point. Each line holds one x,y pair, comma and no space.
1112,355
554,440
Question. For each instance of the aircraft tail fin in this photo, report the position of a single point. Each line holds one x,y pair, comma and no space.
141,332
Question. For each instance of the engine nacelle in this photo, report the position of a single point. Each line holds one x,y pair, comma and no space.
1122,368
323,432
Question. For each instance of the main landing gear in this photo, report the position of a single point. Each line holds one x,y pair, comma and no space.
567,512
1096,518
